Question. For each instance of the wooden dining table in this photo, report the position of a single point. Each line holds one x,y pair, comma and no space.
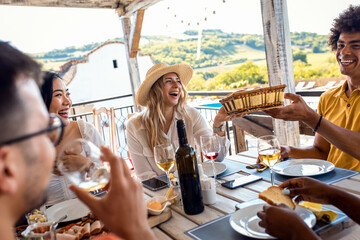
179,223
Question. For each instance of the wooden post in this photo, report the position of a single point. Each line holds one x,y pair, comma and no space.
239,138
132,35
279,61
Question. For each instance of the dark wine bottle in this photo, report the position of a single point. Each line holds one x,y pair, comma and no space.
188,173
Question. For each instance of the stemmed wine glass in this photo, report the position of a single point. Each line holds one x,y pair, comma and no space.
210,145
269,152
164,155
79,161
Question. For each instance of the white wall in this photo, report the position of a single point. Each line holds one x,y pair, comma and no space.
97,78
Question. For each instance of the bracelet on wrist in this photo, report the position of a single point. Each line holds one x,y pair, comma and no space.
219,129
318,124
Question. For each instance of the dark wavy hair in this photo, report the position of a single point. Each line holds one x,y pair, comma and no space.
348,22
47,87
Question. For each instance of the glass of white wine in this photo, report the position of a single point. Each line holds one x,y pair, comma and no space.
79,161
269,152
165,158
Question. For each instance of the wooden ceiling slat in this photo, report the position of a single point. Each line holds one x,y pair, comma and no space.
124,7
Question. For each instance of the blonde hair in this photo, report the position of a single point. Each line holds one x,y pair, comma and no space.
153,118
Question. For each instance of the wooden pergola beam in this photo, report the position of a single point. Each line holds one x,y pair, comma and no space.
136,5
66,3
135,33
125,8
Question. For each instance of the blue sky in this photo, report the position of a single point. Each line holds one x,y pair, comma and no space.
39,29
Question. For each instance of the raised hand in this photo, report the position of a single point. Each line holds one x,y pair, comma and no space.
298,110
123,208
309,189
282,222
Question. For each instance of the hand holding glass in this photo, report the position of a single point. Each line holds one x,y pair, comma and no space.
210,145
269,152
165,158
79,161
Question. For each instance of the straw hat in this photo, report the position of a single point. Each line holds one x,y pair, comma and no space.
184,71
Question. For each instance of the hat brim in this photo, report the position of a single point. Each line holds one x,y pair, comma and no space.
184,71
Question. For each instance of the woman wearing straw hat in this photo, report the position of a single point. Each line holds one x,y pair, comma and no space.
163,95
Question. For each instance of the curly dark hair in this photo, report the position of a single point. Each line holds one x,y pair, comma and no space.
348,22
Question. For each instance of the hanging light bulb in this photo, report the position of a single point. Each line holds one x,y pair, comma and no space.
188,24
175,15
198,23
182,21
214,12
205,19
224,1
168,8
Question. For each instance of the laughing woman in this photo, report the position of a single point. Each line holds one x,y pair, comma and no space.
163,95
57,100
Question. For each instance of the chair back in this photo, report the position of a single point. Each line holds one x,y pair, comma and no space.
110,113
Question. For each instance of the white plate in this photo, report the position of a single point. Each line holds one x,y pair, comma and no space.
303,167
208,170
246,222
73,208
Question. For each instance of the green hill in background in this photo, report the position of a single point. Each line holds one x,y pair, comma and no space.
227,60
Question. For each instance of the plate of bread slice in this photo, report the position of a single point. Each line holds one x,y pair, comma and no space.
246,222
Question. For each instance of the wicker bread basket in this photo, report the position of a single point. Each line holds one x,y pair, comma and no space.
241,102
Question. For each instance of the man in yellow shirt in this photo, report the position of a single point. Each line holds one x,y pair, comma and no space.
340,105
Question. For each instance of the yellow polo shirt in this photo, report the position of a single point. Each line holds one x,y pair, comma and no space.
336,107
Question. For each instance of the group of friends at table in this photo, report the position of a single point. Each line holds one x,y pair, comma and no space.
30,100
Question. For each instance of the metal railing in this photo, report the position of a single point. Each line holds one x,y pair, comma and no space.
121,115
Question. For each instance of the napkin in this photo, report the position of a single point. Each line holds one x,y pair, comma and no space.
316,208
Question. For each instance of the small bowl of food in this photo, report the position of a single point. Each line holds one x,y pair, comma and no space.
45,230
36,216
157,205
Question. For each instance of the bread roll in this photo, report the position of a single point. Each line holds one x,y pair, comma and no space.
274,196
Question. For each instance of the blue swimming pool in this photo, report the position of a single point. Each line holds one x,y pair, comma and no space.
213,105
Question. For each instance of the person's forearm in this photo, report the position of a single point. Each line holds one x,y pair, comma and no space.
346,202
342,138
307,152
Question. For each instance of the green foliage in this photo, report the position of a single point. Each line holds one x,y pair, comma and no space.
300,55
191,32
197,83
247,73
309,40
221,50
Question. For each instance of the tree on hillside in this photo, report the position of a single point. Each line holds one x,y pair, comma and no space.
300,55
247,73
197,83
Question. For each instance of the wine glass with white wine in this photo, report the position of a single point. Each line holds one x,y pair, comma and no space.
269,152
79,161
164,155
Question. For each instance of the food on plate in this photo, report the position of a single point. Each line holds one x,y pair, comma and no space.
36,216
155,205
41,229
274,196
253,100
88,227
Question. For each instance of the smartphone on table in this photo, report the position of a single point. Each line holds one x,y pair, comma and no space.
241,181
154,184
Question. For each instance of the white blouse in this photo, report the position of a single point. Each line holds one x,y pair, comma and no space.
141,154
58,189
